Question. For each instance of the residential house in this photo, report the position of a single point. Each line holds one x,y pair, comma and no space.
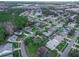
3,7
53,43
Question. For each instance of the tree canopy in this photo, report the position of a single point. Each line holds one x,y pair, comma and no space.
20,21
2,35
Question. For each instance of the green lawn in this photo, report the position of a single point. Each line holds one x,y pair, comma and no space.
32,49
31,46
62,46
52,53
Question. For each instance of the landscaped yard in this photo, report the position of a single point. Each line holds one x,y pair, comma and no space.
62,46
32,49
52,53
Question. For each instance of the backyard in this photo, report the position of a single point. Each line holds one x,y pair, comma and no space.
62,46
52,53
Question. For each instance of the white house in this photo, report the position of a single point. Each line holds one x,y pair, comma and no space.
38,12
52,44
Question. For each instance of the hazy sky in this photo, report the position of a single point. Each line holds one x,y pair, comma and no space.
39,0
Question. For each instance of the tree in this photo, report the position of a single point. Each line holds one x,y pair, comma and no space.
77,20
21,21
71,33
74,53
2,35
28,40
5,17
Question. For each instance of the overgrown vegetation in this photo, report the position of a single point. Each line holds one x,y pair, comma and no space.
15,11
4,16
3,35
19,21
33,44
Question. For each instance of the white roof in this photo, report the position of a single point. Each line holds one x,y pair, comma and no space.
71,25
52,44
73,9
12,38
59,38
47,33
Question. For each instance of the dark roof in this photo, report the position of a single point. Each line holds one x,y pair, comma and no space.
42,51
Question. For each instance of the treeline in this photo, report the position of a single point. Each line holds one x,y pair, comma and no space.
18,21
3,35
